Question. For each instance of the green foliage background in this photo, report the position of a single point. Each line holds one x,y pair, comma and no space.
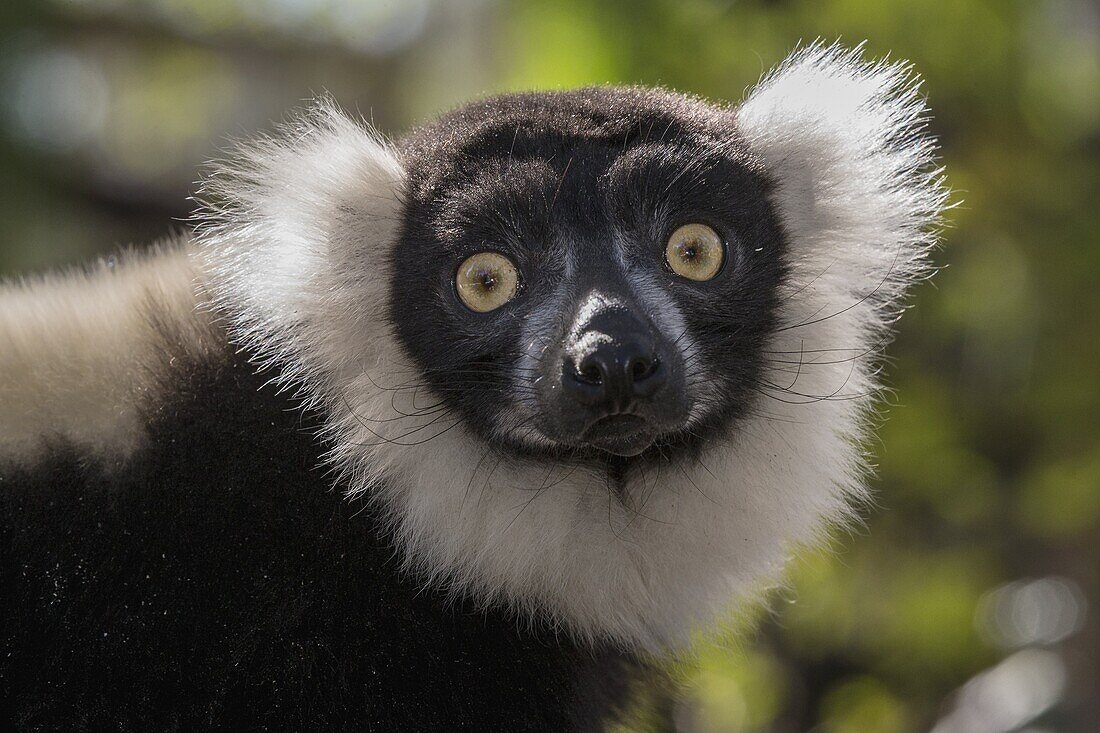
989,463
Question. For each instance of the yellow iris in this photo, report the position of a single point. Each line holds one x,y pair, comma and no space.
486,281
695,251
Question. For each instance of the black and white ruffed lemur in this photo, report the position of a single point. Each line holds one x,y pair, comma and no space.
454,432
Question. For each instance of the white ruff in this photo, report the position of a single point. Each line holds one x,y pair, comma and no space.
299,259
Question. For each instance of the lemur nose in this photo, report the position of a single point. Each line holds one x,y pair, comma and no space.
615,373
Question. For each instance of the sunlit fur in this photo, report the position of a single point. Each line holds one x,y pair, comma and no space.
79,353
296,247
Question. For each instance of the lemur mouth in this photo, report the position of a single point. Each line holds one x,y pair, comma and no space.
621,435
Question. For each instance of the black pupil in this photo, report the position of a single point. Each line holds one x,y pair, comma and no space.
690,252
488,280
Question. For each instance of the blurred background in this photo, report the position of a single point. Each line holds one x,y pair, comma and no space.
971,601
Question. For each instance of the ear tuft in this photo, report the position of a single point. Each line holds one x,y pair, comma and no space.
846,143
284,221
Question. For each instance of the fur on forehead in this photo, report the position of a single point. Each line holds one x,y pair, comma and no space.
538,122
296,241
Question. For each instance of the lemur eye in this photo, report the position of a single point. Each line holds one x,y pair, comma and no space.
486,281
695,251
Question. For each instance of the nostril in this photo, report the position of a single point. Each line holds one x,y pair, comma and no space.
642,367
586,382
591,373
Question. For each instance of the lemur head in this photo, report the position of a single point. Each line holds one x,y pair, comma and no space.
605,356
588,276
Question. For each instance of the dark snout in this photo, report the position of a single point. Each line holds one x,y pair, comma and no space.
620,377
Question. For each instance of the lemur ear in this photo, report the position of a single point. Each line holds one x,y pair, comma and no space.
846,144
286,221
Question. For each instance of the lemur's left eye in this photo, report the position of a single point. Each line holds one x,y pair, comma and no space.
486,281
695,251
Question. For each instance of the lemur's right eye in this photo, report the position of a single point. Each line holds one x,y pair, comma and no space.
695,251
486,281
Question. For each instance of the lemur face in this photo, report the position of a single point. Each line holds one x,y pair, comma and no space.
591,273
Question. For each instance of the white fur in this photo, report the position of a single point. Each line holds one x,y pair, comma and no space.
298,254
79,356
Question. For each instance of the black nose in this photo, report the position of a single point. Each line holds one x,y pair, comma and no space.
615,373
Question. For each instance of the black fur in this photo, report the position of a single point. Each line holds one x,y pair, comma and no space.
220,581
537,175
